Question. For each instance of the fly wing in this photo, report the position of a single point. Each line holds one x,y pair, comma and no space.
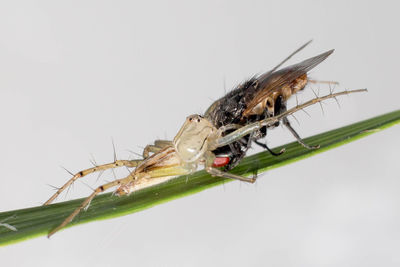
271,82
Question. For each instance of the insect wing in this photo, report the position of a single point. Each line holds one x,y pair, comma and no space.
271,82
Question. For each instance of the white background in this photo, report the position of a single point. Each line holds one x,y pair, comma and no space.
74,74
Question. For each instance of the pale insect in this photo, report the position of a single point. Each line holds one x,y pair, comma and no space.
192,146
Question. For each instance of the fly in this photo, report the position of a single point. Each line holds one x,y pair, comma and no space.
261,97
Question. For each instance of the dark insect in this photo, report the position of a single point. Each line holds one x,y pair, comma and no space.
260,97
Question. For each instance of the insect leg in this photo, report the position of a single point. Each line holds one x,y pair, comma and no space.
245,130
115,164
286,122
215,172
323,82
269,150
87,201
158,145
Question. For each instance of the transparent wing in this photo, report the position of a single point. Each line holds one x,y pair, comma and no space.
271,82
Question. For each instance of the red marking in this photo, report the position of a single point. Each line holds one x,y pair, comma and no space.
221,162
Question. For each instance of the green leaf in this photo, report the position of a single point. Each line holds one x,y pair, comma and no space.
38,221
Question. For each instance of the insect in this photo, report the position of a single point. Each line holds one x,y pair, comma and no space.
258,98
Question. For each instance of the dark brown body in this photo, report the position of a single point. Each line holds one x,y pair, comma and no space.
260,97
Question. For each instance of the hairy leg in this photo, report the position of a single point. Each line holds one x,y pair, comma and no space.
158,145
115,164
215,172
245,130
286,122
86,203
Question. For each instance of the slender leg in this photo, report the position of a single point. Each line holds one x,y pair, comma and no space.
245,130
286,122
158,145
115,164
87,201
215,172
269,150
323,82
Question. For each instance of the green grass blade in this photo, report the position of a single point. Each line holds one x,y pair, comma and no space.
38,221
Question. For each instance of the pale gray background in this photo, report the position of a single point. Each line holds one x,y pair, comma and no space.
74,74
